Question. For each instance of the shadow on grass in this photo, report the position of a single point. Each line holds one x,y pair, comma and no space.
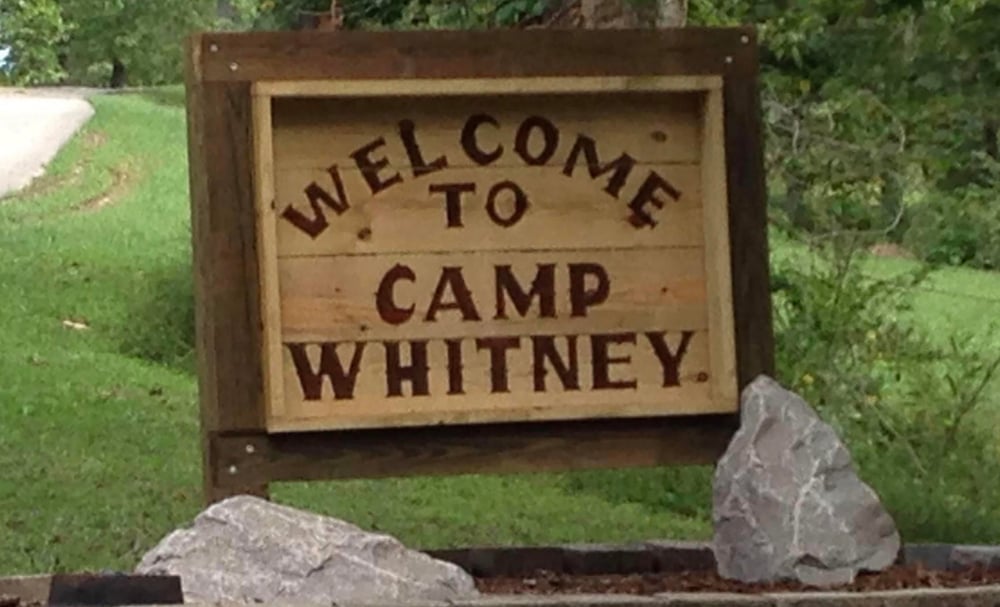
162,327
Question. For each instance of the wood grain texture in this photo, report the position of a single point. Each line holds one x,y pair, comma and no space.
224,237
226,70
410,218
522,400
722,349
334,297
488,448
748,230
267,252
470,54
485,86
315,132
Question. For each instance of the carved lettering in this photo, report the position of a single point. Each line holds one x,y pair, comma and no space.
311,381
543,287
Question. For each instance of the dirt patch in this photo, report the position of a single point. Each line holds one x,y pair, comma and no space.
120,177
47,183
895,578
890,249
13,601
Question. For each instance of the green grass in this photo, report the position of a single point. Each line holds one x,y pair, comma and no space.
98,426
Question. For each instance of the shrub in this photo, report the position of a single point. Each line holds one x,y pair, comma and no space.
958,228
909,409
32,29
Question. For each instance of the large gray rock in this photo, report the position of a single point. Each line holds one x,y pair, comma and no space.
788,504
246,549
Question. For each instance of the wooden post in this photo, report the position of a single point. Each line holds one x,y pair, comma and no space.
223,230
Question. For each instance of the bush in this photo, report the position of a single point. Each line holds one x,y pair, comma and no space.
910,410
958,228
32,30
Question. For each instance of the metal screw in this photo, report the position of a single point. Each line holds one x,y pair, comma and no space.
234,66
233,470
250,448
729,58
214,48
745,39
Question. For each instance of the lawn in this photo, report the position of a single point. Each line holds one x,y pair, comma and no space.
98,413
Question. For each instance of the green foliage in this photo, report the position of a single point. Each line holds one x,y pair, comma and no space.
918,411
958,228
475,14
82,41
145,37
407,14
32,29
880,116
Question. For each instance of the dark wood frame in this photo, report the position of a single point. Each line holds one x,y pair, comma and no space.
239,456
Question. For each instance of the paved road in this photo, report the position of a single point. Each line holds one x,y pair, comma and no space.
33,126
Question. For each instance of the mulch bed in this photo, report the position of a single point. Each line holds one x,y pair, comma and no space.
895,578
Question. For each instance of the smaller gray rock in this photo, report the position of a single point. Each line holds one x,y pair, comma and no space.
787,502
249,550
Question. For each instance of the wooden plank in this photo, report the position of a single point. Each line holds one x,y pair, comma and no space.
485,86
338,298
468,54
227,244
748,229
717,256
223,232
82,589
315,132
512,390
494,449
409,218
267,250
204,338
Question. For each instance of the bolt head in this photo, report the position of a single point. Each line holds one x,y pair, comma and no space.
233,469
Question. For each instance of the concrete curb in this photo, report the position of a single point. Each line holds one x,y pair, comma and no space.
980,596
984,596
29,588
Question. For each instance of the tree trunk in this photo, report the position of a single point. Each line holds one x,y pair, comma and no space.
990,139
119,75
615,14
618,14
671,13
225,10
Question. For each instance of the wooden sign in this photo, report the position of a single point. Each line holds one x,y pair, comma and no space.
406,240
